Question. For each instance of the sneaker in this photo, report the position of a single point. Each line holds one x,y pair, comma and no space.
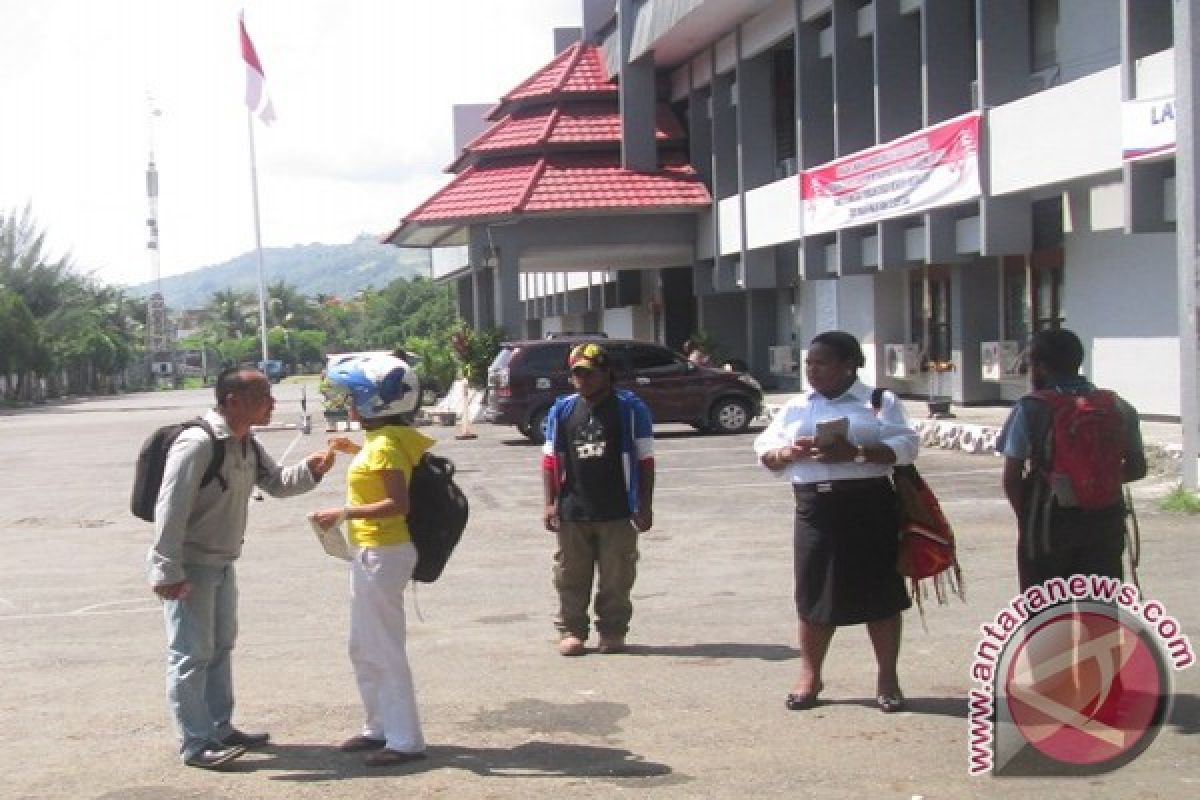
214,756
570,645
247,740
357,744
611,644
391,758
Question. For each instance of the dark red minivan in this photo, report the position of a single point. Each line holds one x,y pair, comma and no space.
527,376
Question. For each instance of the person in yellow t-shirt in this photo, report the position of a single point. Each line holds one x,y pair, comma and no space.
383,392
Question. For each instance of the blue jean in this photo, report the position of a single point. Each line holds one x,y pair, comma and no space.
201,630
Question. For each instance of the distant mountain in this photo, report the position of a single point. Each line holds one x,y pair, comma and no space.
335,269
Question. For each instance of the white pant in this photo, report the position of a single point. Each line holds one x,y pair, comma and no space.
378,576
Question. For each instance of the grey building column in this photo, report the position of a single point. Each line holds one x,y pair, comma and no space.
948,49
898,73
509,313
1187,80
761,319
814,96
853,80
639,150
974,288
478,250
1003,51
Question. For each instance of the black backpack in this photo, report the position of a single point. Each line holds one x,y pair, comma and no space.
152,461
437,515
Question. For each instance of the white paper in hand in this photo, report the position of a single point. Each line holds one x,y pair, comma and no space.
332,539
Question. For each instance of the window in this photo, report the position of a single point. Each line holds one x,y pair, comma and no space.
545,358
930,317
1016,324
783,93
939,318
655,358
1046,278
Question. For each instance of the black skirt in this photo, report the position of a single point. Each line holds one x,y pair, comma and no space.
845,545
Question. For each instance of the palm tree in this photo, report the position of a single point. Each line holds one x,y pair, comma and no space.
233,311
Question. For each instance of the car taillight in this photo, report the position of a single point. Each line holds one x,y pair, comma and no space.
498,380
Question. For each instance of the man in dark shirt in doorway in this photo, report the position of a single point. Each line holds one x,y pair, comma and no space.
598,480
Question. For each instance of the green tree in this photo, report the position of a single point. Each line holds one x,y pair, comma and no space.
73,323
233,312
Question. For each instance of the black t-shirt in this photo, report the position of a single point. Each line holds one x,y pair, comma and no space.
595,486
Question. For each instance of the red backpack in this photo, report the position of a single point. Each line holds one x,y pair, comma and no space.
1085,448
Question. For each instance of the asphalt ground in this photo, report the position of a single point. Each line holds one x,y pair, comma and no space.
695,709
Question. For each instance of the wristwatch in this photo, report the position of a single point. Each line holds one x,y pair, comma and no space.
860,457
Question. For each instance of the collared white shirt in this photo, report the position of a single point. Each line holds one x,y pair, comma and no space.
799,417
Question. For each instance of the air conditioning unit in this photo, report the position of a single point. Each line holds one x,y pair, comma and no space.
901,360
1000,360
783,360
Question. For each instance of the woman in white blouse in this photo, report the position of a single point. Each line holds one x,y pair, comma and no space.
846,526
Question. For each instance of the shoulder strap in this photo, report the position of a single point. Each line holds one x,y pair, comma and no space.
218,454
259,455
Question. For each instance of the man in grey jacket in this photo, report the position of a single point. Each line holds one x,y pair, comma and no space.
198,535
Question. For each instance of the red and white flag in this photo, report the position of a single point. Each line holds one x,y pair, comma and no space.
257,99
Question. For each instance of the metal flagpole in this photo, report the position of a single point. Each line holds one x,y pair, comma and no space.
262,290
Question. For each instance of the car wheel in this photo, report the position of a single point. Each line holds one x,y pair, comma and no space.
536,431
729,415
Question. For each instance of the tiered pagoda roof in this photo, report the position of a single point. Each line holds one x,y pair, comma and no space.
555,148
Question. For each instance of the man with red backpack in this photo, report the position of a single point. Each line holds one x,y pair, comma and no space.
1068,449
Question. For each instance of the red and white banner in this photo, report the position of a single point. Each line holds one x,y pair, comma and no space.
934,167
257,99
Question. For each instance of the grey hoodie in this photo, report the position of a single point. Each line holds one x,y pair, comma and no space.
206,525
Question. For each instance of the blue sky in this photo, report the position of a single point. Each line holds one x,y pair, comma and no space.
362,90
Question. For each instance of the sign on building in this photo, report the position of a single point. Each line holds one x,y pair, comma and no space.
1147,128
934,167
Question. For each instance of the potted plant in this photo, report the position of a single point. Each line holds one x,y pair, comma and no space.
474,349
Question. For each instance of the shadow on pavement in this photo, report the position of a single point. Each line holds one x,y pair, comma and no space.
534,759
1185,713
764,652
932,706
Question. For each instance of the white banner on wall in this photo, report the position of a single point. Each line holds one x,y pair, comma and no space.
934,167
1147,128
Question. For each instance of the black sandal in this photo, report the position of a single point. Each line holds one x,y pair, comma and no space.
803,701
890,703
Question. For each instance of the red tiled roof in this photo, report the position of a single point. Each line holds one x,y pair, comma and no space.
574,125
560,182
578,70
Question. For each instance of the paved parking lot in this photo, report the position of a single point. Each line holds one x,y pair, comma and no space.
694,710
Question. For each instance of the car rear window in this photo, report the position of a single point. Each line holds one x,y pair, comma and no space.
502,358
544,358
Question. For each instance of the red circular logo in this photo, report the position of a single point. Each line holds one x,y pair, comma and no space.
1085,688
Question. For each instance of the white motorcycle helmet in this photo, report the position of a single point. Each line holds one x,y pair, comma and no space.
377,384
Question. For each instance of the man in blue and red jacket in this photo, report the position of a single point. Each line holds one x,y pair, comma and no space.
598,482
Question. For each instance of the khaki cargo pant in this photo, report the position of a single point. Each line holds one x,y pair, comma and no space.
606,548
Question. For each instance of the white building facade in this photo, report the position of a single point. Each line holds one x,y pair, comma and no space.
1062,227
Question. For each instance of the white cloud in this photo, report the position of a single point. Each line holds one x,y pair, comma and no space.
362,90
